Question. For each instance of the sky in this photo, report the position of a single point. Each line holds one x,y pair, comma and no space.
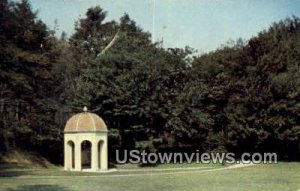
201,24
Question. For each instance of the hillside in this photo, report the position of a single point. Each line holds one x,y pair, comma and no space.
23,159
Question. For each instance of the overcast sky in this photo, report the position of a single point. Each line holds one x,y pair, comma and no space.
201,24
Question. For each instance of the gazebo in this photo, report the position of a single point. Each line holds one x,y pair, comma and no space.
85,139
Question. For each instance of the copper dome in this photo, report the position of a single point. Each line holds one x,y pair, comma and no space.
85,121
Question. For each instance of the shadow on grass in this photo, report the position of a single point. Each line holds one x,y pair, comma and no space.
14,173
14,170
11,171
48,187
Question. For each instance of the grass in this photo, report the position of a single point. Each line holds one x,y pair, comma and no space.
283,176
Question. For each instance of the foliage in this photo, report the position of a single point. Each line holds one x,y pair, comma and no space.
242,97
26,99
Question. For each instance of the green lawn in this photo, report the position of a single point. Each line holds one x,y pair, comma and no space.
281,177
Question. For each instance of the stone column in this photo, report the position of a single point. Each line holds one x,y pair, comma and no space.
104,158
78,156
94,154
66,155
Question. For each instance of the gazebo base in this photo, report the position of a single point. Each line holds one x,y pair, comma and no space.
94,171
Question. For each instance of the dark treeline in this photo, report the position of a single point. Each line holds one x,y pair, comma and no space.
243,97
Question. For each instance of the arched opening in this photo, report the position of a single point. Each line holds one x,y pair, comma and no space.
100,151
71,151
86,156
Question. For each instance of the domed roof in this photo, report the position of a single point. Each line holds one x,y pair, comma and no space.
85,121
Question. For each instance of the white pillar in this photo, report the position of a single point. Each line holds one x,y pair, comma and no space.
94,154
104,154
78,155
66,155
